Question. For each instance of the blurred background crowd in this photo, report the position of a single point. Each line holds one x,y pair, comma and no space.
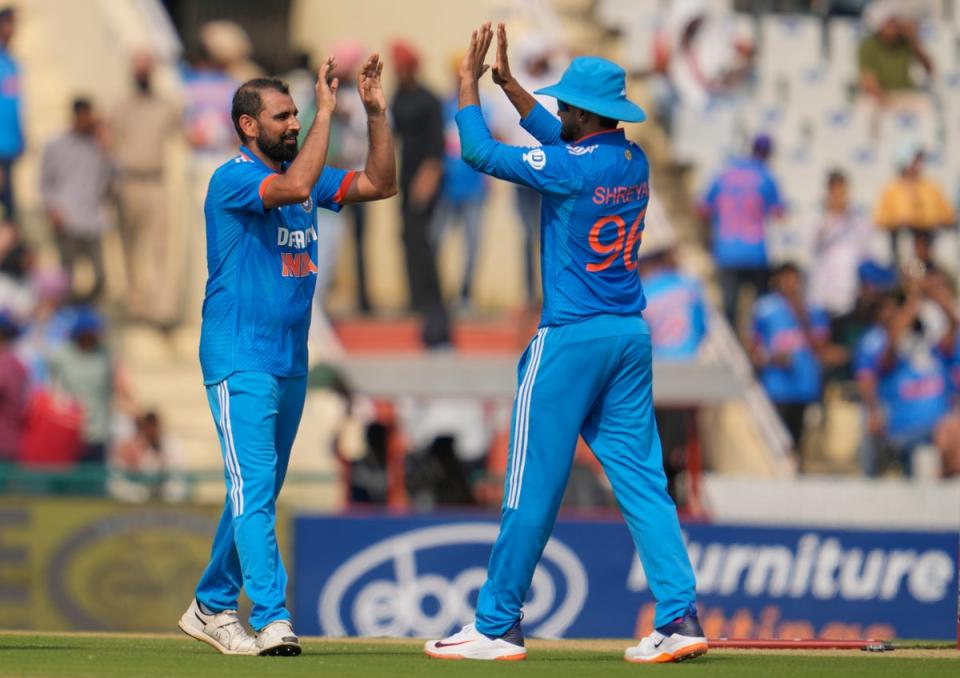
801,240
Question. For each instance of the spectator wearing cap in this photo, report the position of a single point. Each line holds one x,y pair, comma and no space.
141,126
788,340
11,127
82,368
902,376
887,56
418,120
75,182
13,391
841,235
739,204
913,203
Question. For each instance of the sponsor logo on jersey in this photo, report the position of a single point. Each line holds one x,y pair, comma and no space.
298,240
581,150
536,158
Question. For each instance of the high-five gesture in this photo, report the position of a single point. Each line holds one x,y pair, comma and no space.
368,84
327,89
501,69
473,67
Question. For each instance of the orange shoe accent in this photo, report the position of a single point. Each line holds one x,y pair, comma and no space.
508,658
512,658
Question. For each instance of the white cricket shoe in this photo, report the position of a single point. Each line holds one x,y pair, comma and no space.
222,630
277,639
468,643
677,641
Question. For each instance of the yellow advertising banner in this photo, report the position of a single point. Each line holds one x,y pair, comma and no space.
91,564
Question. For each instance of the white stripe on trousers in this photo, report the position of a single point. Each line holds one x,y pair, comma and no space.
522,422
230,452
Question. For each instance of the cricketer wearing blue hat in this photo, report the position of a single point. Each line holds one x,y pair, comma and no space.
588,371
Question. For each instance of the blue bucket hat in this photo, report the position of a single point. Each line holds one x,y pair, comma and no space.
598,86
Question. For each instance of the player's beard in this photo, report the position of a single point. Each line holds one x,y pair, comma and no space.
569,131
278,148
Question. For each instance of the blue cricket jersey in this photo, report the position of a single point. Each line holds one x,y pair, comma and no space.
11,131
739,202
261,271
676,314
595,193
913,390
777,330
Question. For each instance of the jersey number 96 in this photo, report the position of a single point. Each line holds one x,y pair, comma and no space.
625,243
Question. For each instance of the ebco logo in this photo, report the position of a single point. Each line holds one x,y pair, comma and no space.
387,590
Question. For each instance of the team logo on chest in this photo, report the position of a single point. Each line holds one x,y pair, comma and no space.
307,205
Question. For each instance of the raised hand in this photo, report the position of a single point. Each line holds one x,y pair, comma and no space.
501,69
472,68
368,84
327,89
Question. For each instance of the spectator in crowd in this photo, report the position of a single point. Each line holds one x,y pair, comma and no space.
739,205
788,341
846,332
229,46
702,54
902,376
841,243
348,150
676,315
418,119
676,308
83,369
11,128
16,261
75,183
887,56
49,325
141,126
208,93
540,65
146,465
13,390
913,203
463,192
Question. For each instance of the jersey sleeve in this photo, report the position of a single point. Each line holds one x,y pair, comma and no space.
699,313
331,188
239,186
545,169
772,199
542,126
820,324
866,359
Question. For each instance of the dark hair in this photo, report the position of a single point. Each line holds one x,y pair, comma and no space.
247,101
786,267
81,104
836,176
607,123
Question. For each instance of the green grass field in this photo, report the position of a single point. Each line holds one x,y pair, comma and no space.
54,655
